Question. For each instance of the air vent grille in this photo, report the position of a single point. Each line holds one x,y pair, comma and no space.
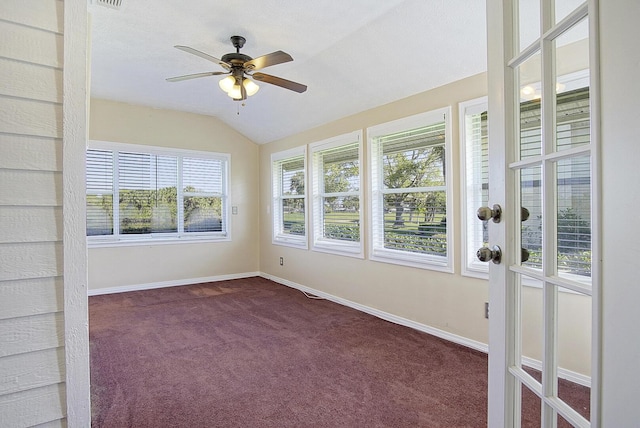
113,4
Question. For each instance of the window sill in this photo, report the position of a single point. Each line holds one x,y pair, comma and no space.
288,241
136,242
476,270
340,248
419,261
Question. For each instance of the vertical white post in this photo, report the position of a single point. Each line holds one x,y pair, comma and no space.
502,386
75,96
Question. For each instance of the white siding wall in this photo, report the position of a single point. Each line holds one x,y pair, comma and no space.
32,353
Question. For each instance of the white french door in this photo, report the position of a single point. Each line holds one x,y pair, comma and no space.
543,172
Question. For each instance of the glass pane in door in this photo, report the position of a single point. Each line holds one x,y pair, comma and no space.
564,7
562,422
572,87
531,228
529,106
530,409
574,350
528,22
530,320
573,181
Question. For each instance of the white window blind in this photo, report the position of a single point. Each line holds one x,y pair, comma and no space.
147,186
99,192
144,193
410,188
336,195
203,196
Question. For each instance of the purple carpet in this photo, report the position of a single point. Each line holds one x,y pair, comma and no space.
252,353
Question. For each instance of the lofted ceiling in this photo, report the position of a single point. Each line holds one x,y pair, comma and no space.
352,54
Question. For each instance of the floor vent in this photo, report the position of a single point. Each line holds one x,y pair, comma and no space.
113,4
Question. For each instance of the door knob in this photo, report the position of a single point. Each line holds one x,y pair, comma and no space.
524,214
524,255
494,254
485,213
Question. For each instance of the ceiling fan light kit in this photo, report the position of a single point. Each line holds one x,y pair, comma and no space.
239,67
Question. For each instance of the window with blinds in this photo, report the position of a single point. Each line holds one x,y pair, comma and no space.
573,181
475,191
289,197
410,191
337,216
147,193
99,177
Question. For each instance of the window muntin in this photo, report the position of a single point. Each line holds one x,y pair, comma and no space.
409,183
289,197
142,194
336,183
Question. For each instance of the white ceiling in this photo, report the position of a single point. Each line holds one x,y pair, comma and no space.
352,54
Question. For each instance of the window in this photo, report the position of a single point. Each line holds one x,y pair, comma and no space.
142,194
475,179
337,217
288,170
410,191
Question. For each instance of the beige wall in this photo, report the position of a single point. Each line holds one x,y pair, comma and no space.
449,302
149,264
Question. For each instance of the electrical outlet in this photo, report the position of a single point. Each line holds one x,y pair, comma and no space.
486,310
281,261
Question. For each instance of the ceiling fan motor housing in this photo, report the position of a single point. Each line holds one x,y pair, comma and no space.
236,59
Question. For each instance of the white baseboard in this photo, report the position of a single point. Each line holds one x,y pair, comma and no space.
162,284
460,340
479,346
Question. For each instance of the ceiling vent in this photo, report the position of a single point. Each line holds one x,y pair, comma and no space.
113,4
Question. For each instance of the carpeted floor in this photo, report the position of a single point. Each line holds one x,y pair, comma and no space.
252,353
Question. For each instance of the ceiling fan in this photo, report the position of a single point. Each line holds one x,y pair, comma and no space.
239,67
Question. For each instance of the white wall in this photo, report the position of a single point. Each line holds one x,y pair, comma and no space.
146,265
620,69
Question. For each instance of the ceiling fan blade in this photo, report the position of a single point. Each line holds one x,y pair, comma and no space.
267,60
195,76
279,81
203,55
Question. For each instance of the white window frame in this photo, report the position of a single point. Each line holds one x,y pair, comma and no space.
471,232
278,236
179,237
377,252
320,243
